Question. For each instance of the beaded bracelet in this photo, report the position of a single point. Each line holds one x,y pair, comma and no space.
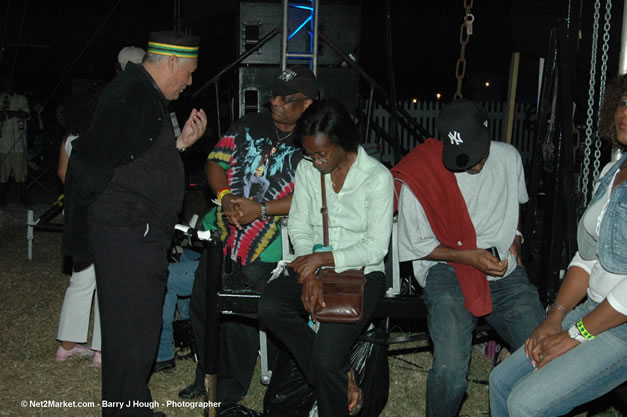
583,331
222,193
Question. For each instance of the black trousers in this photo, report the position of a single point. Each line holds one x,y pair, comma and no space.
324,357
240,342
131,274
239,338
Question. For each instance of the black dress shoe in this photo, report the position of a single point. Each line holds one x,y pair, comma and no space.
158,414
191,392
164,366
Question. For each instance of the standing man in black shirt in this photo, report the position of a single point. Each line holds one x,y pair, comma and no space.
124,190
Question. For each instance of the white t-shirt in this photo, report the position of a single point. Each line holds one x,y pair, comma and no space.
492,197
12,138
68,144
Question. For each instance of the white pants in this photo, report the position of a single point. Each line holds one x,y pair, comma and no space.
13,162
74,320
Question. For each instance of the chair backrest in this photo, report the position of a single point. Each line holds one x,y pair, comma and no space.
286,245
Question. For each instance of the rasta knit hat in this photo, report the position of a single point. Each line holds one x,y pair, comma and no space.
169,42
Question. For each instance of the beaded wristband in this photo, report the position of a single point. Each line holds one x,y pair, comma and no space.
222,193
583,331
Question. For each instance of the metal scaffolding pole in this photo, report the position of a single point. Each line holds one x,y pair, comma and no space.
622,62
312,54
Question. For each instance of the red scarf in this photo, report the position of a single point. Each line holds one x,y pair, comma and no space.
423,171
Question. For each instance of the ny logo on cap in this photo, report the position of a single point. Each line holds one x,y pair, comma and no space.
455,138
287,75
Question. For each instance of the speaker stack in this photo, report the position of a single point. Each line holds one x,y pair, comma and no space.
339,21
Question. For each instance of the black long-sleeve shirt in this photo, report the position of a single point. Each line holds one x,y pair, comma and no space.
125,169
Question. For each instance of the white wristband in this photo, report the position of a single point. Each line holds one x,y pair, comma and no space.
574,333
522,238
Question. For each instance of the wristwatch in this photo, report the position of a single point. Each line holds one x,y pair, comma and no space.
574,333
264,212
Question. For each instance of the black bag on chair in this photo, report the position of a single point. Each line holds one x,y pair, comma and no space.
237,410
370,360
289,394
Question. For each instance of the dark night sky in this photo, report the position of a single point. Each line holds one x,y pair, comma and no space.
425,40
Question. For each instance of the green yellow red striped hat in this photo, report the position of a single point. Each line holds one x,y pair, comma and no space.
178,44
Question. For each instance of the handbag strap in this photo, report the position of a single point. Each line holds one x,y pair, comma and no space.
325,213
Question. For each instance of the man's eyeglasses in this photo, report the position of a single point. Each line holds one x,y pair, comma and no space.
311,159
284,100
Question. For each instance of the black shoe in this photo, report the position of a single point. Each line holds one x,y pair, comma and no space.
164,366
184,354
191,392
158,414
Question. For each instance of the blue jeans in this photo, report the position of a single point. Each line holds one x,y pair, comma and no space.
580,375
516,311
180,282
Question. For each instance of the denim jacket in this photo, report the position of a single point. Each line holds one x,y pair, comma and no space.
612,243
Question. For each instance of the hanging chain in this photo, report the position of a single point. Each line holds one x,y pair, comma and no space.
590,112
604,56
602,78
464,35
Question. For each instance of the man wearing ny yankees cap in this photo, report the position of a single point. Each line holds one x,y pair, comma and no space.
458,215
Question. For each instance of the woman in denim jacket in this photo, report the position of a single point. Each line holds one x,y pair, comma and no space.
580,351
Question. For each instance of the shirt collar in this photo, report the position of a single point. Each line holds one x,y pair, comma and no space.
361,160
141,70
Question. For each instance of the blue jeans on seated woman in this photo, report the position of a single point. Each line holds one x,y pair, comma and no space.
516,311
580,375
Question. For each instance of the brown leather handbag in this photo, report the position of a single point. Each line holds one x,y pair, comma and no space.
343,292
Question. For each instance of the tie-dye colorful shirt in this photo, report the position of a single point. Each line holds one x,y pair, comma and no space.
258,166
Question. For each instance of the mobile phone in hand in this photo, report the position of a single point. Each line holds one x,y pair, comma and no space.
494,252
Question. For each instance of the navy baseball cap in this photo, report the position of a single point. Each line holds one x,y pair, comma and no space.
463,125
296,79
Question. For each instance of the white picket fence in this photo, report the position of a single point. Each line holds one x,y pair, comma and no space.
426,113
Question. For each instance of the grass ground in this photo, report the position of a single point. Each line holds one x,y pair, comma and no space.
31,294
